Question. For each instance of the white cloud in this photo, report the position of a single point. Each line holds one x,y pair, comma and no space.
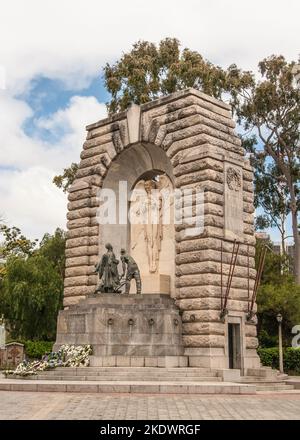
29,199
21,151
31,202
71,40
72,120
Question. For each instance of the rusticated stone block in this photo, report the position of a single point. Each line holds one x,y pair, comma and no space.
79,213
203,341
76,281
77,261
201,316
79,270
72,300
210,291
81,251
251,342
82,241
203,328
88,231
211,304
79,291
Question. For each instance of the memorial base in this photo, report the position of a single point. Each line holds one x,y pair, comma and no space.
123,325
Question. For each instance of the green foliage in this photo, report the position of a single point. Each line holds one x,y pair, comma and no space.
149,71
66,179
31,285
278,293
269,357
35,349
270,108
291,358
30,297
14,242
275,264
52,247
273,299
265,339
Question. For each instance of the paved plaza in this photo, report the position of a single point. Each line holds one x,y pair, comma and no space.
72,406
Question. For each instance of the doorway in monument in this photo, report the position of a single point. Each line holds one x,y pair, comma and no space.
234,346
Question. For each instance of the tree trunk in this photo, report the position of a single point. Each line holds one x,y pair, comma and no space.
297,246
294,213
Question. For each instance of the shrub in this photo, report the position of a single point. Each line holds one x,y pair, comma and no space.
291,358
36,349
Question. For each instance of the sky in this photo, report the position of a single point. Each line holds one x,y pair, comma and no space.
51,56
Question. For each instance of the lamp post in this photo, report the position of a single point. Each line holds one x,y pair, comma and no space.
279,320
2,333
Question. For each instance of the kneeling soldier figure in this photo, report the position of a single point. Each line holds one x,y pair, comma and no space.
132,272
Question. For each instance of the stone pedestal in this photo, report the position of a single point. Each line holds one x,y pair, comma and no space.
154,284
11,355
123,325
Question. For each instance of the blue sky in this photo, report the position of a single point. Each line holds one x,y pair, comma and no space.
51,55
46,96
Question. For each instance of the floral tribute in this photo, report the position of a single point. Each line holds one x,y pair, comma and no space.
67,356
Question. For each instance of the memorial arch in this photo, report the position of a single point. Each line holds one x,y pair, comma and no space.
188,137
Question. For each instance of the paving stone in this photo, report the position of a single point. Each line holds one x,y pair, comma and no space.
64,406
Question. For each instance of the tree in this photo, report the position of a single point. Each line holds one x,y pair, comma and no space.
52,247
281,298
67,178
31,283
278,293
149,71
271,108
271,195
31,296
15,243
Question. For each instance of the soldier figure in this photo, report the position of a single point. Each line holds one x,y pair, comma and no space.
108,271
132,272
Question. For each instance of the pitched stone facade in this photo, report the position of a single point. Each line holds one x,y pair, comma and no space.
196,134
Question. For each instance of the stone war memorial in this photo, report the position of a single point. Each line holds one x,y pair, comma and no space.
160,267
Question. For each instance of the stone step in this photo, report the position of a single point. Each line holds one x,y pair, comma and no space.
275,387
178,361
143,370
129,378
114,372
133,376
263,380
147,387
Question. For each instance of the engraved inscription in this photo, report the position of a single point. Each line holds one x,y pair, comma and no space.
76,324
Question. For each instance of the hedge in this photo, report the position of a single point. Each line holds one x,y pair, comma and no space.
291,358
36,349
